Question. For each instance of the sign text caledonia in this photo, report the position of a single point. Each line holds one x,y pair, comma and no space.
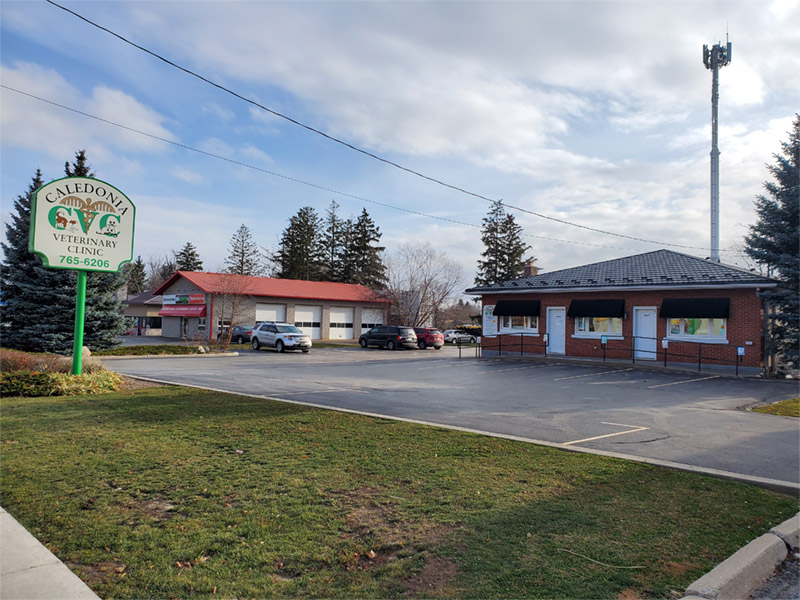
82,223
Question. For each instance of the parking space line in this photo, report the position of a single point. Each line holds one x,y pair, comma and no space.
593,374
635,429
650,387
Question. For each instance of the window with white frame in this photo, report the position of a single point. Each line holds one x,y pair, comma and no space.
598,326
201,323
696,329
519,324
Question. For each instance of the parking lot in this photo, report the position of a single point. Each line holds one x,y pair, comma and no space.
695,419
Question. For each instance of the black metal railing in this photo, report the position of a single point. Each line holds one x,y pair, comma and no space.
623,350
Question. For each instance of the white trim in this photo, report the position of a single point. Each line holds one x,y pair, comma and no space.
697,339
596,336
638,288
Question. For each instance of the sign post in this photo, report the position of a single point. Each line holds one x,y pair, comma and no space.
82,224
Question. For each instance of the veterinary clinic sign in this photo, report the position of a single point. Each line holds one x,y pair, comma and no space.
82,223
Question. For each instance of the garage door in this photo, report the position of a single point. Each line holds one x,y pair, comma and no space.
308,319
371,317
271,312
341,323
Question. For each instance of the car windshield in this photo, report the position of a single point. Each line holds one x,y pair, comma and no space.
288,329
435,331
405,330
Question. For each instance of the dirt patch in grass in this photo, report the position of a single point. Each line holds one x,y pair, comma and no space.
129,383
98,574
435,579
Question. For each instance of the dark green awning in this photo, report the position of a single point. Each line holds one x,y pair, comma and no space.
695,308
596,308
517,308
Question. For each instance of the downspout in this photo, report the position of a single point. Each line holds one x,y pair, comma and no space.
211,320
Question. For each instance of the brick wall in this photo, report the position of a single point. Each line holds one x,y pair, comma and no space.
744,325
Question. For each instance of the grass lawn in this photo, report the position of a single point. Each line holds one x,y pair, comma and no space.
784,408
176,493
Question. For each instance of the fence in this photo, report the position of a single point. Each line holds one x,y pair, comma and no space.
513,342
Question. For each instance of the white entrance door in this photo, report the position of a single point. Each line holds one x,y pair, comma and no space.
556,329
341,323
644,332
308,319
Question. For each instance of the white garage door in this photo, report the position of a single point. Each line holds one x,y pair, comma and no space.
308,319
371,317
341,323
271,312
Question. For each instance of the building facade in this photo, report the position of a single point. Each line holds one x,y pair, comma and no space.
199,305
656,306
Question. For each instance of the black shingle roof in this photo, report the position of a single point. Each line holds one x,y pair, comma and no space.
661,268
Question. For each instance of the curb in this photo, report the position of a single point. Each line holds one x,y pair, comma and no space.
739,575
129,356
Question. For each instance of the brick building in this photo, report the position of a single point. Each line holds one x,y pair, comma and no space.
196,304
650,306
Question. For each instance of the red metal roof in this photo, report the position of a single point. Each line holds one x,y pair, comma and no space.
227,283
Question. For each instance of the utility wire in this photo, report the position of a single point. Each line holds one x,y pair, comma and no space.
292,179
356,148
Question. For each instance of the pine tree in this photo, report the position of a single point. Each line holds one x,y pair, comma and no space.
365,255
333,243
503,248
39,302
245,255
137,276
187,259
774,241
301,254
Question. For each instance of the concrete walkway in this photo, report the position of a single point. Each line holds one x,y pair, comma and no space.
29,571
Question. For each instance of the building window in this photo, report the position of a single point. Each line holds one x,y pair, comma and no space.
341,325
201,323
306,323
698,329
598,326
519,324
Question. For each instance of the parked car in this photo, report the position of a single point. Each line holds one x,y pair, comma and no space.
389,337
458,336
241,334
281,336
429,336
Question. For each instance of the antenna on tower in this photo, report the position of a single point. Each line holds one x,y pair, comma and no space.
714,58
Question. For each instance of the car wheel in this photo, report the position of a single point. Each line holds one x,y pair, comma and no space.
437,347
256,345
279,346
240,340
422,344
390,345
455,341
305,351
362,342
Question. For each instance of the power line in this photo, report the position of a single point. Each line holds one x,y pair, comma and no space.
292,179
356,148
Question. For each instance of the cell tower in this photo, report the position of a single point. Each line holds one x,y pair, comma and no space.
714,58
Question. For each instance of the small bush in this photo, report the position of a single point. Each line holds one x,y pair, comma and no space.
32,384
144,350
14,360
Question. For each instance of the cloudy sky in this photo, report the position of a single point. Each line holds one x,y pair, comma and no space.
596,113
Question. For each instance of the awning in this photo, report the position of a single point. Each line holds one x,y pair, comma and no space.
183,310
695,308
517,308
596,308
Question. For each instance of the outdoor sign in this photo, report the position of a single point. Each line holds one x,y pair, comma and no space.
489,321
603,339
82,223
183,299
664,343
739,350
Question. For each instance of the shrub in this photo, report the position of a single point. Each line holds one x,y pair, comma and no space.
31,384
143,350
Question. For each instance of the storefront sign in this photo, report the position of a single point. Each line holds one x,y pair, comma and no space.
183,299
489,321
82,223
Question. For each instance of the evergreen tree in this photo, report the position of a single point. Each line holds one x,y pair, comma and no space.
774,241
301,254
245,255
365,255
187,259
333,243
502,256
39,302
137,276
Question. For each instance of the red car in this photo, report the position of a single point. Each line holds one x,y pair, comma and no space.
429,336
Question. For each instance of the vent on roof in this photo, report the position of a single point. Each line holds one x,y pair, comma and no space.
559,282
515,284
592,280
665,278
609,280
576,281
627,280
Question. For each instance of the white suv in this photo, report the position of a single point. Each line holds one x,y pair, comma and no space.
281,336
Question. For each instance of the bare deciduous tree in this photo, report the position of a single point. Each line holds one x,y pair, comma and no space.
229,300
421,281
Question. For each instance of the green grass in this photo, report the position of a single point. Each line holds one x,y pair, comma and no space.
169,492
784,408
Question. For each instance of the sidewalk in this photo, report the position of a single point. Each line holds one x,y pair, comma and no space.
29,571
